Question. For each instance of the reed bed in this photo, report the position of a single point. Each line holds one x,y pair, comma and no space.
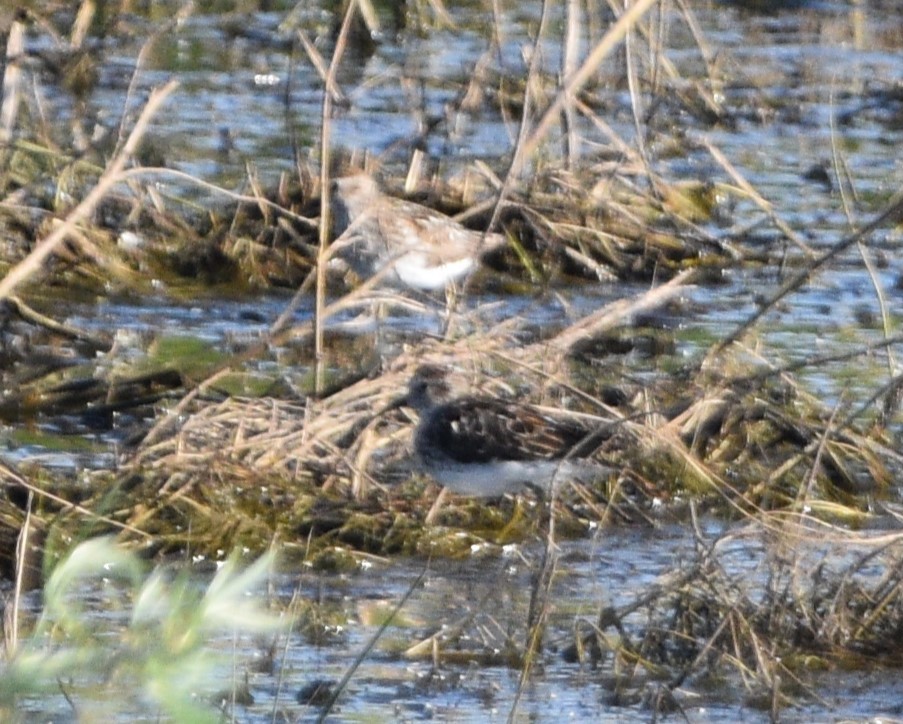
326,471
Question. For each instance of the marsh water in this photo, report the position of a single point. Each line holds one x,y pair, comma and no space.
813,86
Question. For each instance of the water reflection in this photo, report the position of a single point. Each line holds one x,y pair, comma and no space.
803,84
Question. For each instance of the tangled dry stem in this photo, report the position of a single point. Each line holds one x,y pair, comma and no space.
335,469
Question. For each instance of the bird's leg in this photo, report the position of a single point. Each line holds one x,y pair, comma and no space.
379,313
451,303
436,506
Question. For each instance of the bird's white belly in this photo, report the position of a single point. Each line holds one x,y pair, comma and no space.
415,270
497,478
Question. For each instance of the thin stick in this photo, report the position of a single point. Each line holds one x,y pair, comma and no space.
164,30
573,84
837,157
12,632
519,146
340,687
758,199
325,216
316,60
159,172
34,317
611,315
9,473
569,59
891,213
538,614
12,81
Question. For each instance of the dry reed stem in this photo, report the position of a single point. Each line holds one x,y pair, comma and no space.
325,210
809,362
708,55
537,616
368,15
368,647
153,172
886,320
887,323
12,81
319,65
82,24
66,331
569,60
11,475
525,146
11,631
662,61
614,314
892,212
575,83
766,206
163,30
519,152
636,108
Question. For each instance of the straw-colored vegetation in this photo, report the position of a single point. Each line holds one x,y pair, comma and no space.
317,459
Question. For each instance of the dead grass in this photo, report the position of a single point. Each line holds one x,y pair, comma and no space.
328,472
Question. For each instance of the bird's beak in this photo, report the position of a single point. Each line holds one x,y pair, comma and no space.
394,404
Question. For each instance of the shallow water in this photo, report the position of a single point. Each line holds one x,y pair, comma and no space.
805,85
475,606
487,595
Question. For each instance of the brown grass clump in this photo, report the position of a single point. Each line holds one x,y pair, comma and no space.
771,606
339,467
324,468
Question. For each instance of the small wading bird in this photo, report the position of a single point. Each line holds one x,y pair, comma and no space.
417,246
488,447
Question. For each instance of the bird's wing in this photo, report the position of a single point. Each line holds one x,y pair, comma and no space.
474,431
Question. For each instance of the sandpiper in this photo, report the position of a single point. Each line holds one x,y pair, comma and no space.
488,447
422,248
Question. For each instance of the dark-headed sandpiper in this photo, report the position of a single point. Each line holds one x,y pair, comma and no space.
488,447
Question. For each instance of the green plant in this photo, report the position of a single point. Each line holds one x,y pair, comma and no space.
150,650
